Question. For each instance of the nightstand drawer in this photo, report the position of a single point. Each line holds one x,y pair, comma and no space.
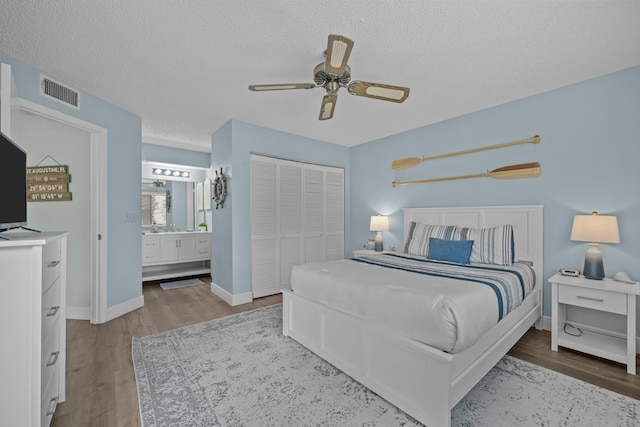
596,299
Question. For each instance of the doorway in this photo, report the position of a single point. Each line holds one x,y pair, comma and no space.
92,235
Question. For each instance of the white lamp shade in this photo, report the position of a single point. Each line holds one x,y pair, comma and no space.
379,223
595,228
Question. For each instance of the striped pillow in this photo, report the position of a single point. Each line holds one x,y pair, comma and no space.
490,245
419,235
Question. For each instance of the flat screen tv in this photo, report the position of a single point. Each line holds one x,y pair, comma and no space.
13,176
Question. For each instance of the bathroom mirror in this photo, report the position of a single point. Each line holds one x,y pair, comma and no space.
155,204
174,203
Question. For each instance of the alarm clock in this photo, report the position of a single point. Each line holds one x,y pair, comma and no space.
569,272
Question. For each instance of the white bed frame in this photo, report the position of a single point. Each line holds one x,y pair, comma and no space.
424,382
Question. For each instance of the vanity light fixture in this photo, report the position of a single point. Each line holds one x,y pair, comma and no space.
171,172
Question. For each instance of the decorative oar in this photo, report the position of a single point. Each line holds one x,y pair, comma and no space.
525,170
412,161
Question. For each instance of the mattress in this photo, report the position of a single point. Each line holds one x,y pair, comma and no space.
444,305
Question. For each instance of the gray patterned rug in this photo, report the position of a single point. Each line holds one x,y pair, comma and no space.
240,371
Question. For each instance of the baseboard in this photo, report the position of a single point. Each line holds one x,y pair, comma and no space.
229,298
546,325
79,313
124,308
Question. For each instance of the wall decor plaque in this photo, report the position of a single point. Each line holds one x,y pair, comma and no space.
48,183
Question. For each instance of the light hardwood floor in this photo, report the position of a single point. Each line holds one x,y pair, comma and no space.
101,388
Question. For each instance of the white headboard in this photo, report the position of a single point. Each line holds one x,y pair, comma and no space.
525,219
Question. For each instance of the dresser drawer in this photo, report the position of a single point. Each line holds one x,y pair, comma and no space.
51,307
51,263
51,351
596,299
50,397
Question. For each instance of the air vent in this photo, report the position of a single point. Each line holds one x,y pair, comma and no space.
59,92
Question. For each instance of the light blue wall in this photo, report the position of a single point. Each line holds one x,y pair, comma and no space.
234,143
589,154
222,223
124,271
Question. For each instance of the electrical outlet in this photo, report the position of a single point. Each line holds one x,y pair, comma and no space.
130,217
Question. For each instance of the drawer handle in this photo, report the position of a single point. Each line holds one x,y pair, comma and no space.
53,358
590,299
52,406
53,263
53,311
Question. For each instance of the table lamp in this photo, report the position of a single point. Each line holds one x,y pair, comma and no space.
595,229
379,223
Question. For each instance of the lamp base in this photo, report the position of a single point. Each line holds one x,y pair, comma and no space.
378,247
593,265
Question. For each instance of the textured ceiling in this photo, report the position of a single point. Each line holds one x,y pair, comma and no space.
184,66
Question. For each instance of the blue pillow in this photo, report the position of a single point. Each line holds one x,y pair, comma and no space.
457,251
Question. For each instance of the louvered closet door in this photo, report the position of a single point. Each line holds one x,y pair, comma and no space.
334,213
313,214
297,216
290,215
264,227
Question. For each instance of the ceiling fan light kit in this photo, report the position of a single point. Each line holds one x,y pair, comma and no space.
333,74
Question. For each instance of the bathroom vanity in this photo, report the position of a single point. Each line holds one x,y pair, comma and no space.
168,255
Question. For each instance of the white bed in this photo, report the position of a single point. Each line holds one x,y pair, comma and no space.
421,380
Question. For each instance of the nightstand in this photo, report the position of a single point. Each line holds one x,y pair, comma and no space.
605,295
363,252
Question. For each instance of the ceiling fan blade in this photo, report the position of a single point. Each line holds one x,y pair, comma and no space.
327,107
378,91
338,51
282,86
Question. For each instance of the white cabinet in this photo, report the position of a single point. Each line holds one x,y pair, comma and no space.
297,216
32,326
604,295
170,255
177,248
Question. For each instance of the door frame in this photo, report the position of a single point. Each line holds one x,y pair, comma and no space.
98,185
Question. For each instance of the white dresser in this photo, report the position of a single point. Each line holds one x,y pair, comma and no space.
33,275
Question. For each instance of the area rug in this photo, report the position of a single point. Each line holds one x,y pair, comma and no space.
180,284
240,371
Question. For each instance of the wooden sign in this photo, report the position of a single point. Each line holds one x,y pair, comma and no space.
48,183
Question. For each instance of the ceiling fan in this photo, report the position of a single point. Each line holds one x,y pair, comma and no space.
333,74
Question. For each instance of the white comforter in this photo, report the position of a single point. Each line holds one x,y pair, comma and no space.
443,312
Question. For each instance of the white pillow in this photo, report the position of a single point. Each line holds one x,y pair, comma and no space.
419,235
490,245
